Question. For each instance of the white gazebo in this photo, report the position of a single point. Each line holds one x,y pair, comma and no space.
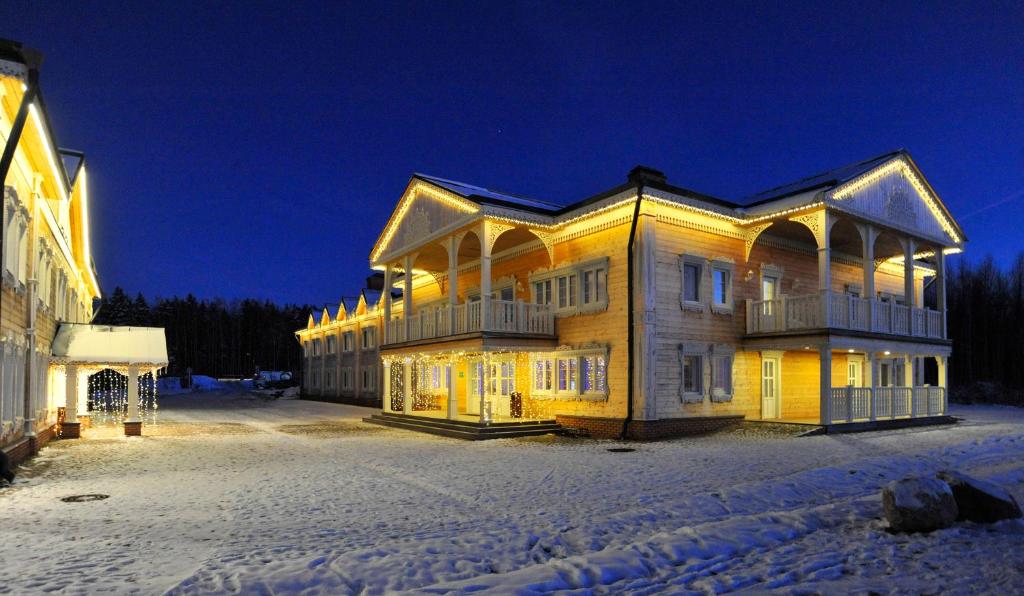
83,349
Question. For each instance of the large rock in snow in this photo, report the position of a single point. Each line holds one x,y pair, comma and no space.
980,501
918,505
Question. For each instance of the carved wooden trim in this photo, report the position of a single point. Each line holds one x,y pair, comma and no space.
750,238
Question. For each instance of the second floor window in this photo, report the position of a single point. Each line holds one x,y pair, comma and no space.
566,291
542,292
332,344
369,338
573,289
691,282
592,285
347,341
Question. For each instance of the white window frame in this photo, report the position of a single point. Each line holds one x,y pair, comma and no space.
698,352
722,356
316,346
542,369
368,378
368,336
346,378
502,377
593,288
348,340
701,263
542,291
729,269
332,346
592,381
571,277
547,368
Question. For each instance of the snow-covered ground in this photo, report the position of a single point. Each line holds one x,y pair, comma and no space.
230,492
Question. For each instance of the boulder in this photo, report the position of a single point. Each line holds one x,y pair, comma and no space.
918,505
980,501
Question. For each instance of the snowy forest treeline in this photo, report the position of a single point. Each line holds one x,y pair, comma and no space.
985,320
215,337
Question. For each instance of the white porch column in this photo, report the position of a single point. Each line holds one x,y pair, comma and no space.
453,282
825,403
871,380
71,393
940,362
908,370
407,296
407,388
133,394
385,396
453,400
388,280
908,381
940,286
868,235
909,297
485,276
820,224
485,377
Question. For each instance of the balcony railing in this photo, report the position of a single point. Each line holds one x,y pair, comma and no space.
863,404
841,311
503,316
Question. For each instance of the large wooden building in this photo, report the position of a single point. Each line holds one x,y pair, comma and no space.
48,275
652,310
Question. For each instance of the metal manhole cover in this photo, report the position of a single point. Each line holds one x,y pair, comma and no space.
621,449
83,498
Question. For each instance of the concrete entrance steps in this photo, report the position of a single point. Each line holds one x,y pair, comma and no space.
462,429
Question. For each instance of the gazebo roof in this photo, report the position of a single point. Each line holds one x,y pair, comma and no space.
106,345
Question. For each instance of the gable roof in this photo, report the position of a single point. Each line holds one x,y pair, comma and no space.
481,195
827,179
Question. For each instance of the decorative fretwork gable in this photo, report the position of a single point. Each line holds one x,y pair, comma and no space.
896,194
424,212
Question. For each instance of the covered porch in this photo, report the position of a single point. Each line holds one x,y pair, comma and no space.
835,382
467,299
477,385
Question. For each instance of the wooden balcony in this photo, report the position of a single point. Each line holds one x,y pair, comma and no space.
830,310
505,317
864,404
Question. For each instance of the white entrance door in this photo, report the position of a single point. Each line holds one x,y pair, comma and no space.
770,402
502,378
854,373
474,386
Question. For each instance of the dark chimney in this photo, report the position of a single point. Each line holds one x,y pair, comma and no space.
375,281
646,175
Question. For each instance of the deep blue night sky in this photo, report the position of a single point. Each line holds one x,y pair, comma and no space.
240,151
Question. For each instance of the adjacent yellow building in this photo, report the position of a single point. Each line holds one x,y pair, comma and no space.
651,310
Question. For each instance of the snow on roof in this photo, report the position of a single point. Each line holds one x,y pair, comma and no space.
470,191
103,344
372,297
830,178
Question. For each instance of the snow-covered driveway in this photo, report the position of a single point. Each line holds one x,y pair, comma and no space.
230,493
